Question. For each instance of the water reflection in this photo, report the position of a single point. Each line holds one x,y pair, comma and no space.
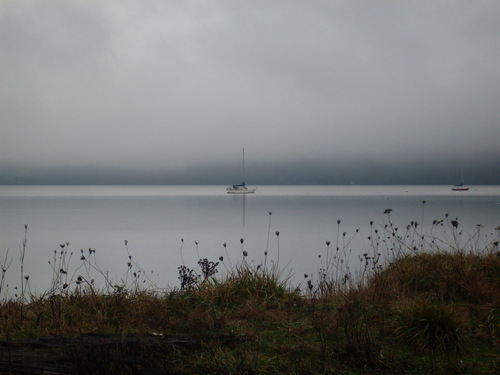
241,200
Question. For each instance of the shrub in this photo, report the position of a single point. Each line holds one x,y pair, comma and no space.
460,277
430,325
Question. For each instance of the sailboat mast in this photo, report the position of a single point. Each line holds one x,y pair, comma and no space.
243,166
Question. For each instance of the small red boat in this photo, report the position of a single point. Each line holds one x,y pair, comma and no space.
460,187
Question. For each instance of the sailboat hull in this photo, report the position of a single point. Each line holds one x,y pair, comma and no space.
241,190
459,187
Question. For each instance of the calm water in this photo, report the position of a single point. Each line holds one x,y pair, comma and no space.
154,219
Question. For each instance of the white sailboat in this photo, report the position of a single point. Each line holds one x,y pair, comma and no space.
241,188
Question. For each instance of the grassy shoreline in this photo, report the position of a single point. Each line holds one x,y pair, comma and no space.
429,306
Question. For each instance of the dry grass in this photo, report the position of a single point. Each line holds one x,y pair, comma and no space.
422,311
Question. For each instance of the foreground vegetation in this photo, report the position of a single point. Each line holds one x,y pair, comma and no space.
424,309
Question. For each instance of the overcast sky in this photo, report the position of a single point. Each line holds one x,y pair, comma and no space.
170,91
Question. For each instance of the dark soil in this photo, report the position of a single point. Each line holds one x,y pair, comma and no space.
93,354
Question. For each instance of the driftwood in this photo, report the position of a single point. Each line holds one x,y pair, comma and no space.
93,354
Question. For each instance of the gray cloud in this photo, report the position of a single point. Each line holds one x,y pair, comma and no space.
174,87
